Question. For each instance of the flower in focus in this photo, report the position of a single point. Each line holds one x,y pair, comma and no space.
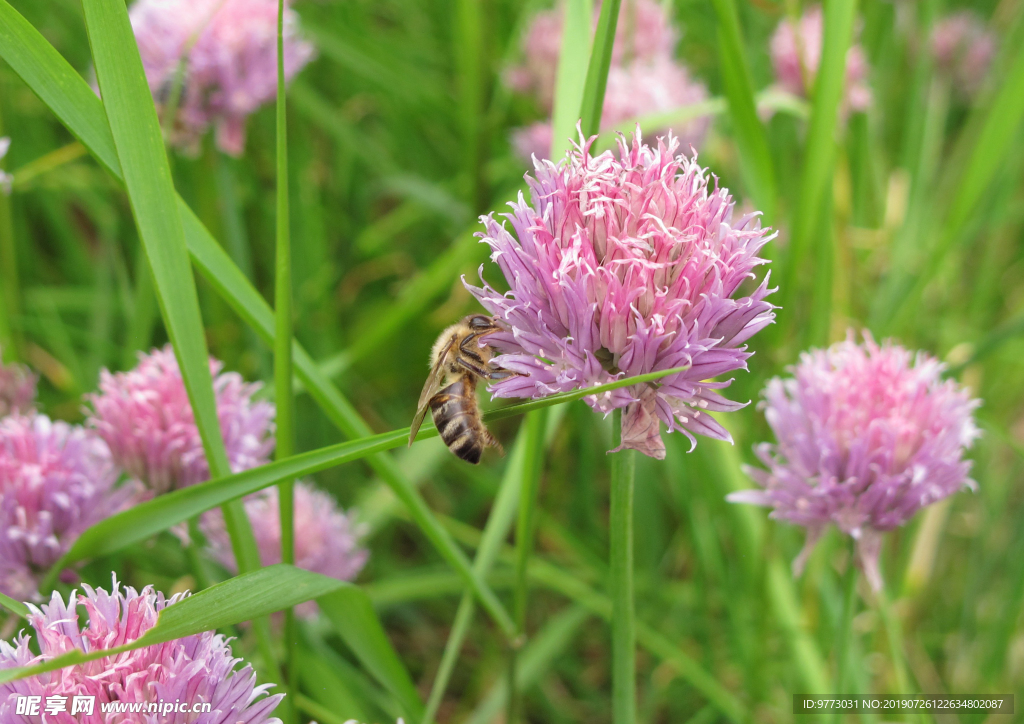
642,87
623,266
196,669
867,435
963,49
5,178
796,55
643,78
326,539
146,418
17,389
55,481
227,52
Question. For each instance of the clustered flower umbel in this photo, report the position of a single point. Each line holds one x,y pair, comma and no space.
796,55
229,50
644,77
963,49
195,669
867,435
146,418
56,480
623,266
326,539
17,388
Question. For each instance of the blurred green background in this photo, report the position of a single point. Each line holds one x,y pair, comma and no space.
398,140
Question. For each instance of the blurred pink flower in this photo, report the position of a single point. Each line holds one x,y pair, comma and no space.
230,52
55,481
618,267
963,49
796,55
17,388
644,78
146,418
867,435
326,539
643,87
195,669
643,32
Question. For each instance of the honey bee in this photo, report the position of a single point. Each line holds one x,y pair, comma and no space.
457,363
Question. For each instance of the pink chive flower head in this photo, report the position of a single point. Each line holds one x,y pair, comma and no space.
963,49
55,481
146,418
796,55
229,52
196,669
623,266
17,389
327,541
643,32
867,435
642,87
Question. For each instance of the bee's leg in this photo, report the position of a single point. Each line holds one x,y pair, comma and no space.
487,372
491,441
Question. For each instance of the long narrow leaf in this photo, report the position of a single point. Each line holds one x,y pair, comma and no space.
597,69
571,76
755,156
144,520
242,598
351,612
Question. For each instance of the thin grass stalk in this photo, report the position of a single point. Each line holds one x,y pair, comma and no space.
755,155
144,313
46,163
597,69
283,361
472,73
844,638
533,465
820,150
10,286
571,77
894,632
621,581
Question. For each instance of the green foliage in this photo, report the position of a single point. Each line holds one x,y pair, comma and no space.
905,219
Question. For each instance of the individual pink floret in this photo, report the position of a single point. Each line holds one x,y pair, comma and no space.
17,387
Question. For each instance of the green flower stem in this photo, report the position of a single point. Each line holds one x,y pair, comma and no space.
285,418
844,640
533,464
621,582
894,633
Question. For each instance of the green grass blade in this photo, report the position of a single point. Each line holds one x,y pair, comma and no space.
571,77
755,156
620,580
537,658
242,598
284,420
138,141
15,607
597,69
529,487
819,160
351,613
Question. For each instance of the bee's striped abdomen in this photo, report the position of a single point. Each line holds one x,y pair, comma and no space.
456,418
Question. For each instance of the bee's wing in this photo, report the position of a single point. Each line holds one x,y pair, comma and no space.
430,389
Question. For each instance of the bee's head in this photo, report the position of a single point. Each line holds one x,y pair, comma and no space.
480,322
